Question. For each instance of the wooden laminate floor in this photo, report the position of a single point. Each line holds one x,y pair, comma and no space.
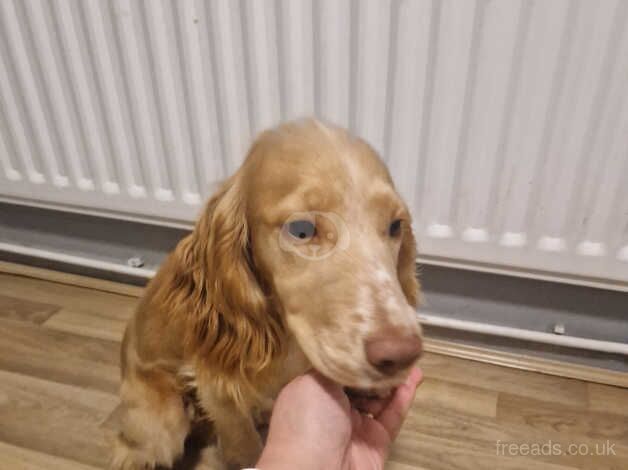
59,376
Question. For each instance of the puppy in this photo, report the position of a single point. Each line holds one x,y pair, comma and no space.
303,258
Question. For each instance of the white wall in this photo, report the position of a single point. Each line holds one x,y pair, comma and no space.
504,123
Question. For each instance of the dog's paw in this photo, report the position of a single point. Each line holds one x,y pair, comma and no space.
126,457
210,459
236,459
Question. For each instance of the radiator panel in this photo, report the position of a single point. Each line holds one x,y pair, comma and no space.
504,124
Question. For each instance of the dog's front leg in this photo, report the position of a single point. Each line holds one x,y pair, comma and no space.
239,442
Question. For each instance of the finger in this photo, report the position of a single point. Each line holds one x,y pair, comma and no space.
415,377
356,419
393,415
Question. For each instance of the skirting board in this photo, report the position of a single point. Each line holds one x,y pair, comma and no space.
70,279
436,346
523,362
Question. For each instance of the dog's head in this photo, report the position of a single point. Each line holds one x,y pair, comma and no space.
311,236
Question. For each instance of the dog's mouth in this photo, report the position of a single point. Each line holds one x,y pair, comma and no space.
367,394
364,384
358,380
363,399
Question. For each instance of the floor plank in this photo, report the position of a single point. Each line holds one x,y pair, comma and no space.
501,379
582,434
18,458
459,397
78,299
58,419
438,438
553,418
62,357
608,399
90,325
25,310
482,435
436,453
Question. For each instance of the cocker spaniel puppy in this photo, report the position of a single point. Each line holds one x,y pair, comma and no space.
303,258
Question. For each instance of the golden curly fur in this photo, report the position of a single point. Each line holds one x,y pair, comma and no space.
235,316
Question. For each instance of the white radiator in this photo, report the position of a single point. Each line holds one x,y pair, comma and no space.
504,123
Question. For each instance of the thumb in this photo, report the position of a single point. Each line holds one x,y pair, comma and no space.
392,417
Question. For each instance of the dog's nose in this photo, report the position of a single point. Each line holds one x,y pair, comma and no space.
390,353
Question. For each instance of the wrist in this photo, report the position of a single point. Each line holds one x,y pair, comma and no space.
279,459
289,457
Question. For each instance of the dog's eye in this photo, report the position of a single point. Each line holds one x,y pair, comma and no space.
302,229
395,228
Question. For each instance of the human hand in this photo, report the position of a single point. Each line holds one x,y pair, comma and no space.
314,426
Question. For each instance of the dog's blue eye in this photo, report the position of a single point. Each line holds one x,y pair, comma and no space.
302,229
395,228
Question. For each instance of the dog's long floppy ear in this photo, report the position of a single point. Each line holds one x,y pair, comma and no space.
230,324
406,266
